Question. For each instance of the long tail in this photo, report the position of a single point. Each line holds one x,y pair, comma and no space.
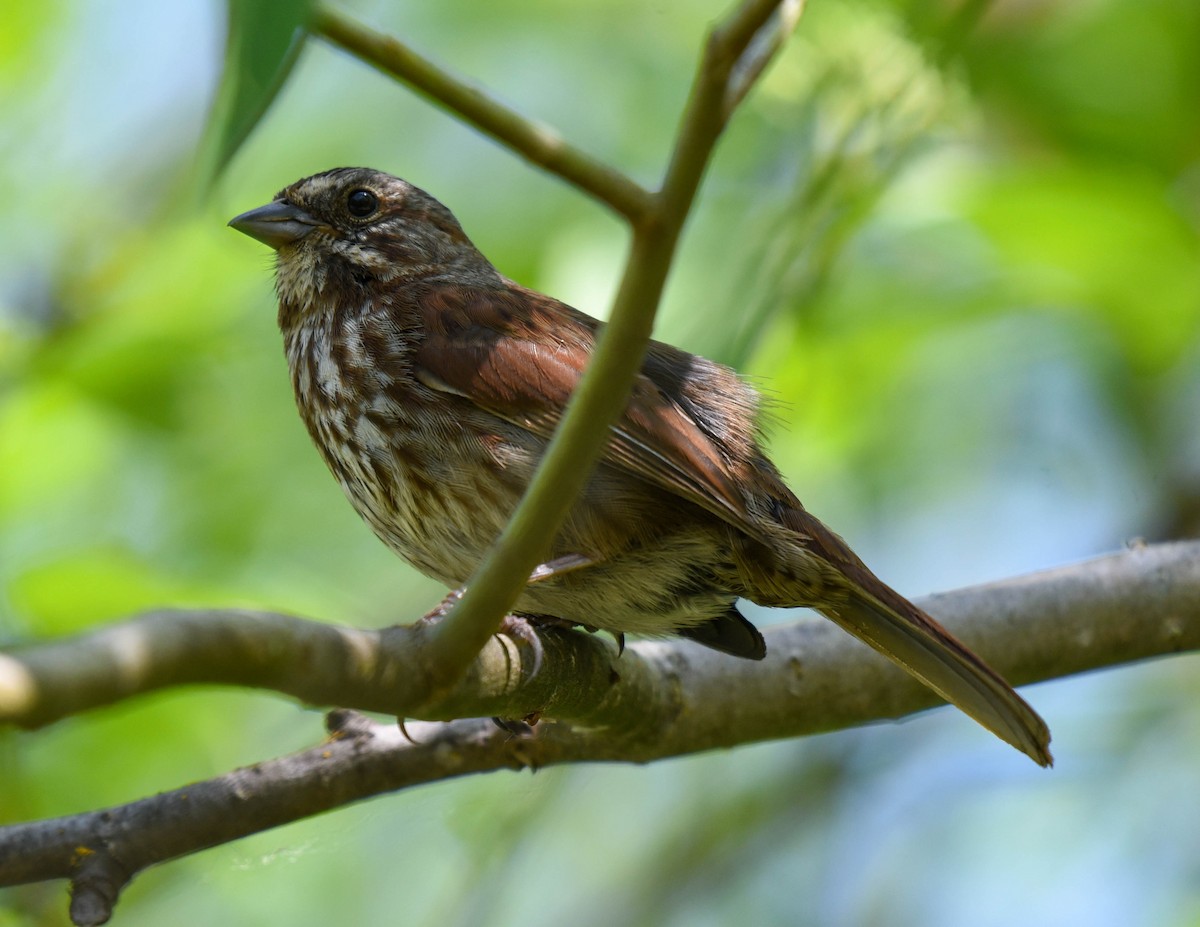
907,635
879,616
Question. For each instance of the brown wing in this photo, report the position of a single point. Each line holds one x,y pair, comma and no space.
519,355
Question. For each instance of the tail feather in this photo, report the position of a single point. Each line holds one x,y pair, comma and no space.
878,615
908,636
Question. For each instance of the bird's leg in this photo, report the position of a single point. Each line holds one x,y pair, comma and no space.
442,609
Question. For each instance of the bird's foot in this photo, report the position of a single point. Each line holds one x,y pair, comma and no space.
521,628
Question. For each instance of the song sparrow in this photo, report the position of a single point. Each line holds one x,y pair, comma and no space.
431,384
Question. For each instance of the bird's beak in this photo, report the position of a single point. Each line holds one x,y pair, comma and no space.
276,224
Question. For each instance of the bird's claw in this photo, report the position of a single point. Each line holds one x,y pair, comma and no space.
520,628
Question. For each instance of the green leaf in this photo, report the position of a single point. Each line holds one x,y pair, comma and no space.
264,40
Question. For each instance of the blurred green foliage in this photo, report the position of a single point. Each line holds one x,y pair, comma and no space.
959,244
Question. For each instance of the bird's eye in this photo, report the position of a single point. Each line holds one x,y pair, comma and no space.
361,203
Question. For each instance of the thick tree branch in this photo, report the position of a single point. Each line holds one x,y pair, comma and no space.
1139,603
1115,609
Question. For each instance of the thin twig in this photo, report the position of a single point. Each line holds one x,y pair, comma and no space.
534,141
709,107
761,50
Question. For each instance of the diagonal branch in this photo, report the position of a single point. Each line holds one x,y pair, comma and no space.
1116,609
737,51
604,390
537,143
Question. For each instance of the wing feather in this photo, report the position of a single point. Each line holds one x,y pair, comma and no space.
489,346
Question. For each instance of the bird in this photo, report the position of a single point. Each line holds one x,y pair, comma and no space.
431,384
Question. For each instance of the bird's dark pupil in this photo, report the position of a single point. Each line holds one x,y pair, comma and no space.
362,203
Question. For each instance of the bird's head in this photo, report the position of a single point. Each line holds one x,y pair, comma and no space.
344,234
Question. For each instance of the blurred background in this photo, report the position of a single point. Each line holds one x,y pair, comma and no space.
958,243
